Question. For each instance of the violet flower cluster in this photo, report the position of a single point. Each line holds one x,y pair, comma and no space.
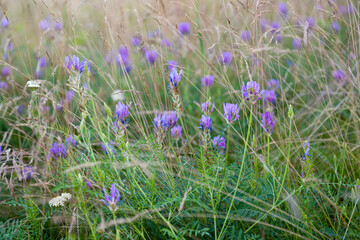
268,122
121,114
218,142
112,201
163,124
231,112
251,91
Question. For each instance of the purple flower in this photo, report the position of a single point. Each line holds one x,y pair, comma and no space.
6,71
135,41
219,143
273,84
176,132
268,122
88,184
42,62
184,28
282,8
251,91
4,22
122,112
335,27
225,58
151,56
4,86
167,120
108,146
27,172
296,43
339,75
207,108
45,24
165,43
269,96
311,22
59,107
175,77
75,64
172,65
231,112
71,141
20,109
1,149
69,96
57,151
306,153
207,81
275,26
205,124
245,36
123,58
112,200
58,25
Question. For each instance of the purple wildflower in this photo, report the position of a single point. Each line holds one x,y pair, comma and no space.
27,173
88,184
205,124
20,109
251,91
275,26
184,28
219,143
75,64
172,65
151,56
6,71
245,36
268,122
71,141
339,75
42,62
4,22
4,85
57,151
311,22
135,41
44,24
165,43
163,123
282,8
269,96
69,96
176,132
112,200
207,108
207,81
305,155
122,112
296,43
273,84
175,78
108,146
231,112
225,58
58,25
123,58
335,26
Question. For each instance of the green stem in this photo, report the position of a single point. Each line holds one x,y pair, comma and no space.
239,177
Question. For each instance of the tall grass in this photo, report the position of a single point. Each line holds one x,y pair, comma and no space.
299,181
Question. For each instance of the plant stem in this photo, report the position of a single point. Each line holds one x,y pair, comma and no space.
239,177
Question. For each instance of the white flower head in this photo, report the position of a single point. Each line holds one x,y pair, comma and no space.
60,200
33,84
117,95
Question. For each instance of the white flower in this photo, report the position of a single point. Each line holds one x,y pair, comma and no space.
117,95
33,84
60,200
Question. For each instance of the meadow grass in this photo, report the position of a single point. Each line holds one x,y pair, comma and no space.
251,131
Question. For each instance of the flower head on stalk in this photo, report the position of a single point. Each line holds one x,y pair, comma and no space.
5,71
175,78
57,151
268,122
121,112
112,201
27,173
151,56
273,84
282,8
75,65
231,112
71,141
339,75
219,143
207,81
176,132
172,65
207,107
251,91
205,124
245,36
108,147
184,28
269,96
225,58
305,155
163,123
